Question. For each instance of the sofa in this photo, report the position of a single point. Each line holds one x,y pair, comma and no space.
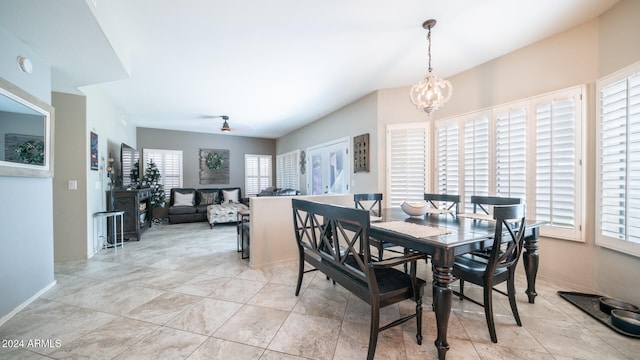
209,204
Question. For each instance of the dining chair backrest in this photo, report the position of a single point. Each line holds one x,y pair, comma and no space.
509,237
497,265
482,203
447,202
369,202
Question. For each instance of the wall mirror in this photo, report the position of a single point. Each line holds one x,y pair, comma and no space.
26,133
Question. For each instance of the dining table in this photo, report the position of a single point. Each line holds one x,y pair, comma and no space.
443,236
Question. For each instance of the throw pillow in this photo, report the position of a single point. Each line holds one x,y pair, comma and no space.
230,196
208,198
180,199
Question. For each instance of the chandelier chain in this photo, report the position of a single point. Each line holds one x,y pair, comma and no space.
429,48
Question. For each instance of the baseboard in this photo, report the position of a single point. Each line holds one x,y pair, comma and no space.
20,307
275,263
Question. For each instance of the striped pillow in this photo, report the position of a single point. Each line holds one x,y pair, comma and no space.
208,198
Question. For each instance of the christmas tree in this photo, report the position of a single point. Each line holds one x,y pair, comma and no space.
151,180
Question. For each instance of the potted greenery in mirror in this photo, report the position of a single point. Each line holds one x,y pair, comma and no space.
151,180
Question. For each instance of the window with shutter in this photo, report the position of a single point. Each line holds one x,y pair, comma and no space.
476,157
257,172
618,161
511,152
558,172
169,163
502,147
407,163
287,170
447,157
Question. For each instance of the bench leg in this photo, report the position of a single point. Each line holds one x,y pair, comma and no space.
300,274
373,331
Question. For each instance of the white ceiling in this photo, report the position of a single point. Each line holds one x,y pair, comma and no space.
271,66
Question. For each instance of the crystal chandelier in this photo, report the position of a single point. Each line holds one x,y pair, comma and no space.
431,93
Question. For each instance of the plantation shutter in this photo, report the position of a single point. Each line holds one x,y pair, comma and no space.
511,153
407,163
169,163
257,173
619,170
447,156
287,170
476,158
556,172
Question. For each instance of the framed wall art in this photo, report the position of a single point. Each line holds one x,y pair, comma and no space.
94,151
214,166
361,153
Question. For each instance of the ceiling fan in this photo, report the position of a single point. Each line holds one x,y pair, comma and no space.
225,125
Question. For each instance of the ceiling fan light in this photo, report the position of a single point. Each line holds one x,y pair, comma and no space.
225,126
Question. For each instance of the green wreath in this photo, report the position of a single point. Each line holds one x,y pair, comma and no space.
214,161
31,152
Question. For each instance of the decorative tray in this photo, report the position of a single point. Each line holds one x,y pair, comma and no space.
590,303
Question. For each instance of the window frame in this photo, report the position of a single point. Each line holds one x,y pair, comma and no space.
576,233
390,197
161,167
325,151
528,106
282,162
247,188
444,184
621,245
463,121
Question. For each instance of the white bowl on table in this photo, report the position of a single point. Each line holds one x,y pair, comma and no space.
415,209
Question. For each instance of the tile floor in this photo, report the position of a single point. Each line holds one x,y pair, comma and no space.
184,293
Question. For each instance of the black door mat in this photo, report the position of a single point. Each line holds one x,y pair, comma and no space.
590,304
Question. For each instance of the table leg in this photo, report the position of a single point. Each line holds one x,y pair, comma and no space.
114,220
530,260
239,232
122,231
442,279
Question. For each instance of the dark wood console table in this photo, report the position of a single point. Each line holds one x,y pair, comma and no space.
136,205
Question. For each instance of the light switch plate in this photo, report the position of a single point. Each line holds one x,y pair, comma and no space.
73,185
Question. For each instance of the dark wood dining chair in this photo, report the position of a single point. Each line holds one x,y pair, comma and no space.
445,203
483,203
499,267
373,204
370,202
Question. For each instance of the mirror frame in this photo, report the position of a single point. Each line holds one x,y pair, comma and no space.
22,97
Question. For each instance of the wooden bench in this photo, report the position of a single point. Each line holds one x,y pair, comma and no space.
335,240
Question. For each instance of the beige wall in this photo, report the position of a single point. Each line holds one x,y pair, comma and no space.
69,234
580,55
558,62
352,120
619,31
272,239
